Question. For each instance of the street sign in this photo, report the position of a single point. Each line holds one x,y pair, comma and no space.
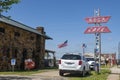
97,19
97,29
13,61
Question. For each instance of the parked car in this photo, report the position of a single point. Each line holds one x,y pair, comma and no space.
91,62
73,63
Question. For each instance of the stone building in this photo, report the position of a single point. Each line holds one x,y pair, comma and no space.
20,42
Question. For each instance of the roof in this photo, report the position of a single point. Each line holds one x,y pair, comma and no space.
20,25
49,51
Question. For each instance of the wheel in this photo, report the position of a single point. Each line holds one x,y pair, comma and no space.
61,73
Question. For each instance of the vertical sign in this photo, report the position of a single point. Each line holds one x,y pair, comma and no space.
97,30
13,62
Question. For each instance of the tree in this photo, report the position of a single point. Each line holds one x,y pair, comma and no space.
5,5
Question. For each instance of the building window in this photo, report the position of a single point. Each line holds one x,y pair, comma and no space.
31,38
17,34
2,30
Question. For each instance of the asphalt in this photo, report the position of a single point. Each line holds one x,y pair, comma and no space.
115,73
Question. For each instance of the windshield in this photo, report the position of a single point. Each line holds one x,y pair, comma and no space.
72,57
90,59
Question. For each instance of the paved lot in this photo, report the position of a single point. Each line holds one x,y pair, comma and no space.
115,74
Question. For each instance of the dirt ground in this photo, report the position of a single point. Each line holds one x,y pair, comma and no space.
54,75
50,75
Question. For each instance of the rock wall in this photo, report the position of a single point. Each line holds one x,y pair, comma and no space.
20,44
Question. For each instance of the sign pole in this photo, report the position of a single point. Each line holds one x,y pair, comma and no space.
83,46
99,43
97,30
97,47
13,62
13,68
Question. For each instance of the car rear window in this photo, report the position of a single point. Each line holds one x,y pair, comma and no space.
71,57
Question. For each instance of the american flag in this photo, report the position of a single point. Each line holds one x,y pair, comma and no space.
63,44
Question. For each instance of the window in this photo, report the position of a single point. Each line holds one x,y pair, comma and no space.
17,34
2,30
31,38
71,57
90,59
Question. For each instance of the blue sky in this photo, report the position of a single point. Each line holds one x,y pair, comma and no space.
65,20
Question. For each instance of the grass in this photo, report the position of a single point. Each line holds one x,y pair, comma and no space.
93,76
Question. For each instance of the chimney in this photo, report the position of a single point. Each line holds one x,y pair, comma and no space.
40,29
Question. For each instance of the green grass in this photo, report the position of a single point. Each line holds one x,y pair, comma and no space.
93,76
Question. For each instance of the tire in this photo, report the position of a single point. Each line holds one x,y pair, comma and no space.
61,73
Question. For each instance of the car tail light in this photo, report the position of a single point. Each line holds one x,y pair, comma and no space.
80,62
59,61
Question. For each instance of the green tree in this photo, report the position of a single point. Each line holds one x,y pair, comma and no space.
5,5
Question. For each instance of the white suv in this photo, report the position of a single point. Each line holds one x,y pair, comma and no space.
73,63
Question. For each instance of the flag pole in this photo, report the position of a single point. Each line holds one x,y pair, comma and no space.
83,51
83,46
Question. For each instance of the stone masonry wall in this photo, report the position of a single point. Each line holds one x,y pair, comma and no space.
19,44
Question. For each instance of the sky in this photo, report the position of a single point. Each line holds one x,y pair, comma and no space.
65,20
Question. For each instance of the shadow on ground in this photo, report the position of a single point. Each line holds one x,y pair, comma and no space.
76,75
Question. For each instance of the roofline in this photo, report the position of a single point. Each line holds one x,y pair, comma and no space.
21,25
51,51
